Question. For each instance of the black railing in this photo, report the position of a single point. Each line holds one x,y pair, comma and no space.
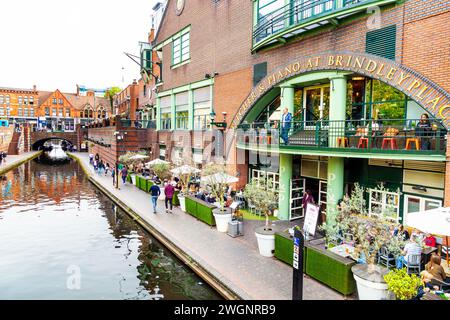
298,12
387,135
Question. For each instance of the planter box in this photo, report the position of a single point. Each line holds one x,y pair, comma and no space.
200,209
175,200
330,268
284,248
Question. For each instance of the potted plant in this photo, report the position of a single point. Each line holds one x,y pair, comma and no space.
162,170
185,177
369,235
217,179
130,159
403,285
265,201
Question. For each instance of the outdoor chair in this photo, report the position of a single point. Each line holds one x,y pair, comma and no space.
253,209
413,263
385,258
443,286
348,239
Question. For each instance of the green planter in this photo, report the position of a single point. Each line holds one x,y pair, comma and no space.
175,200
149,184
201,210
284,248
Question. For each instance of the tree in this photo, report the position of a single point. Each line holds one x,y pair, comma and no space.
109,94
263,199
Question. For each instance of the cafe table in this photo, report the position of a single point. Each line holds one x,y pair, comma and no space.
426,254
344,250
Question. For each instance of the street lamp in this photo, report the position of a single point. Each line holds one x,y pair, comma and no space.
119,137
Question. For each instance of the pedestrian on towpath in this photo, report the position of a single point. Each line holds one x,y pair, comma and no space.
155,192
124,173
169,190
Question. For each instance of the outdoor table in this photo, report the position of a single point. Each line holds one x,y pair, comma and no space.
344,250
426,255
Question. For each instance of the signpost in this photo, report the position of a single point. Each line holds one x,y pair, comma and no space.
297,287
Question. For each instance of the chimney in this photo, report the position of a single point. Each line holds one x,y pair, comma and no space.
34,87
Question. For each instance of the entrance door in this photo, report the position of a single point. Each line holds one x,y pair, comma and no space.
297,190
316,104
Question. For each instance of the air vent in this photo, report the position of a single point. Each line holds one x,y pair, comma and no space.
259,72
425,166
382,42
386,163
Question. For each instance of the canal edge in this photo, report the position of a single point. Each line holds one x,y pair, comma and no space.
16,164
225,291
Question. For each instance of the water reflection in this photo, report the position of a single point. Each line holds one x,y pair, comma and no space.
53,222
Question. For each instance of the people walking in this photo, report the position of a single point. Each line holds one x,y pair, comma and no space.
169,191
124,173
155,191
107,169
91,159
95,166
113,174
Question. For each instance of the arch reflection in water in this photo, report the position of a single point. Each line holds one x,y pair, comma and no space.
53,222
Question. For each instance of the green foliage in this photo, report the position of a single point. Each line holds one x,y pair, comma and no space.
109,94
162,170
403,285
264,200
125,158
216,186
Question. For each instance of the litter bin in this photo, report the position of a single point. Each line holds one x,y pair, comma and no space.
235,228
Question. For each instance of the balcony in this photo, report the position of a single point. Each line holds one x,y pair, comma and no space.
299,17
387,138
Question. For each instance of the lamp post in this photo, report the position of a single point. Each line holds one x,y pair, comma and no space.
119,137
221,126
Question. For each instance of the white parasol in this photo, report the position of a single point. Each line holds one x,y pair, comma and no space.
434,221
185,169
138,157
156,161
219,178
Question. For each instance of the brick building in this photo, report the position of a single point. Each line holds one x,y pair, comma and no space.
357,76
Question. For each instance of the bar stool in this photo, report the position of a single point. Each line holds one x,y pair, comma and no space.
363,143
409,141
342,141
392,142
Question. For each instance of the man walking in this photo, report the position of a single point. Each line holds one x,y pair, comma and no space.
169,190
286,120
124,173
155,192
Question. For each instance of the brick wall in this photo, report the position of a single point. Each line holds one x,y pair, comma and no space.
6,134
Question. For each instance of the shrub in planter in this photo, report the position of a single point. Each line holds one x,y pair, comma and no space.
403,285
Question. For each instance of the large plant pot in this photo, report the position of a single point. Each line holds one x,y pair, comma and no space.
222,218
182,200
133,179
266,241
162,196
370,282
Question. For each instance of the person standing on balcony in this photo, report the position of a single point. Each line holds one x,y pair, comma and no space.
423,130
286,120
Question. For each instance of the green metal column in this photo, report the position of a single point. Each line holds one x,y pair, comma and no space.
173,112
158,114
335,184
284,200
191,110
287,98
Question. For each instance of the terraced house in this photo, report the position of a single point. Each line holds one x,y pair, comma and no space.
356,75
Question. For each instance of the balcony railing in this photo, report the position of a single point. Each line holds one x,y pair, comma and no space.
141,124
385,136
301,13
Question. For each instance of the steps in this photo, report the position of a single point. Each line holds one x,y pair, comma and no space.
13,148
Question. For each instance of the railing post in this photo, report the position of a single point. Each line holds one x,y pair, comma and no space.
369,136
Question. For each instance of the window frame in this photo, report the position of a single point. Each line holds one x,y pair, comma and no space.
384,204
182,49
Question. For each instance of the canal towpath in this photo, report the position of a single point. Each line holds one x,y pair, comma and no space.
235,262
13,161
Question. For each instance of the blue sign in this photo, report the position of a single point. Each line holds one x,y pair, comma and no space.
296,242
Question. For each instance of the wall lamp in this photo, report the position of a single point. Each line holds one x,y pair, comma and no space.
420,188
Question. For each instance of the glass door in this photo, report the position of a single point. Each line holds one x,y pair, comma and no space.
297,191
323,195
316,105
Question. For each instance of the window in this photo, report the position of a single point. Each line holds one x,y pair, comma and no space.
61,101
381,42
181,110
19,100
180,49
19,111
47,111
8,100
162,152
202,108
165,112
2,111
31,101
67,113
384,203
61,112
25,111
25,100
54,101
54,112
2,100
31,112
416,204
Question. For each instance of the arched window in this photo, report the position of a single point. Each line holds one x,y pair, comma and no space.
88,112
101,112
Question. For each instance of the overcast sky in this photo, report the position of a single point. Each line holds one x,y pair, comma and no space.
58,44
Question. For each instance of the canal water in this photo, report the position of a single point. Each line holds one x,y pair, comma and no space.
61,238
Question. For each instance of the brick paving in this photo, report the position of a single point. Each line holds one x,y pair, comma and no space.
235,261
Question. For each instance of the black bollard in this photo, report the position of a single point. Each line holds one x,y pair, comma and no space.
297,286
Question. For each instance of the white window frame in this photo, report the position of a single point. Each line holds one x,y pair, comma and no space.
421,203
384,204
181,49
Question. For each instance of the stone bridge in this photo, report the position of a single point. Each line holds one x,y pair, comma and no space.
38,138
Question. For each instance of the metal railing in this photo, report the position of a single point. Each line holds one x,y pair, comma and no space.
298,12
166,124
141,124
387,135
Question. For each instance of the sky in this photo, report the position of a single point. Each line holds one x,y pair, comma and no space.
58,44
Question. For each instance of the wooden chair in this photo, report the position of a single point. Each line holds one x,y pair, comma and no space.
410,141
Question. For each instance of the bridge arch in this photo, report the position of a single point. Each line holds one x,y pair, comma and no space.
39,138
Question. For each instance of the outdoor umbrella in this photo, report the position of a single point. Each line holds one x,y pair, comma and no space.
219,178
434,221
138,157
185,169
156,161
